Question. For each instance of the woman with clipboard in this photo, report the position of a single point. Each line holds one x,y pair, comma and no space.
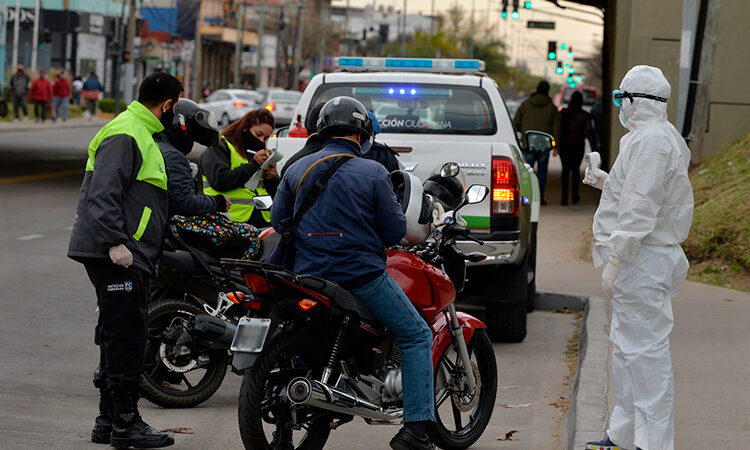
238,167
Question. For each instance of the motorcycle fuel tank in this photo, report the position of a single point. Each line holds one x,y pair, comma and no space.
428,288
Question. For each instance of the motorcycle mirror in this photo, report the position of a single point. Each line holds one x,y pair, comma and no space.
450,170
263,202
476,193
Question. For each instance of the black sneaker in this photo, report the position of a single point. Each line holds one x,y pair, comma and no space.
407,440
604,444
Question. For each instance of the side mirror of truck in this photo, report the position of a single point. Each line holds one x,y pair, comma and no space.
538,142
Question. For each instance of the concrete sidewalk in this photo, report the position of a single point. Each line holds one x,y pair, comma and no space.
709,342
30,125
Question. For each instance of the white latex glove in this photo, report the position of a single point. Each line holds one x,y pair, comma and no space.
611,270
120,255
193,169
601,177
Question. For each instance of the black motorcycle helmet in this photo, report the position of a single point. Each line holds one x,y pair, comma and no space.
344,116
447,190
192,124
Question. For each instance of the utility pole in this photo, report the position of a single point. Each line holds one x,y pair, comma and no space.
15,34
471,35
279,38
298,45
3,22
432,21
129,66
403,31
117,69
261,30
197,52
322,26
346,29
238,44
35,35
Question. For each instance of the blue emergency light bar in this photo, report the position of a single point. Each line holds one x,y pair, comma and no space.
355,64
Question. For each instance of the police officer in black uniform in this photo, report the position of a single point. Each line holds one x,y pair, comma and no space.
118,233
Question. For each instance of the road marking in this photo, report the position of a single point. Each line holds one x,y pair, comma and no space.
29,237
41,176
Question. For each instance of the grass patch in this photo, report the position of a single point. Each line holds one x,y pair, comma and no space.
718,246
74,111
572,354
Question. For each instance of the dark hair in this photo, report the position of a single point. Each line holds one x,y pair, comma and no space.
576,101
233,133
311,121
542,88
158,88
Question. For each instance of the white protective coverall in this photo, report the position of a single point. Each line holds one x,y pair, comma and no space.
645,211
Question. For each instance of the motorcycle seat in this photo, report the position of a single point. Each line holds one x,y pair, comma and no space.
181,261
338,295
267,245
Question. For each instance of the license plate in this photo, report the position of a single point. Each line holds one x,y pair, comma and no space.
250,335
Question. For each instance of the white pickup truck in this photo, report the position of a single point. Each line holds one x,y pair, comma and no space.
432,111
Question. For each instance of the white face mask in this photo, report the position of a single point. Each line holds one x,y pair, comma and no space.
623,118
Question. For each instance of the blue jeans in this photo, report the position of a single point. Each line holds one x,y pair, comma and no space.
393,309
60,106
541,159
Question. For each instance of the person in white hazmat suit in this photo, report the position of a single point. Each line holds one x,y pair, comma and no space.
645,211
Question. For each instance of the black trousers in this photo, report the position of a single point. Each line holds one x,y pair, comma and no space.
40,109
19,104
571,156
122,295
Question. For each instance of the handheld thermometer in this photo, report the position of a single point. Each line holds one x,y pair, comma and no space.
594,160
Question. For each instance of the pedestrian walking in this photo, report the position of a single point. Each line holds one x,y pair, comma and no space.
576,129
41,94
77,88
19,85
90,93
60,96
645,211
118,233
540,114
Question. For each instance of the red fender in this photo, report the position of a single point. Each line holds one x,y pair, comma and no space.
442,334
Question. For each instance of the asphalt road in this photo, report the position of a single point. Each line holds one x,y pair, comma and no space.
48,314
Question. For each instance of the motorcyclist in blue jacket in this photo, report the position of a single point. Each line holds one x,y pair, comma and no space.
343,236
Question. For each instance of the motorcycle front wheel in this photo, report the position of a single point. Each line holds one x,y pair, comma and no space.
462,414
264,413
172,381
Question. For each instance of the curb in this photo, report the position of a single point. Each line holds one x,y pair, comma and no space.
586,419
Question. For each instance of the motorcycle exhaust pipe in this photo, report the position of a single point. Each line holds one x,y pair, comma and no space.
212,328
302,391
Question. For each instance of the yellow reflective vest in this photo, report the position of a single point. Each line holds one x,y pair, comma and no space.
242,198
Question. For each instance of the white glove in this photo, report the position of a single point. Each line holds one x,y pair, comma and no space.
193,169
609,275
601,177
120,255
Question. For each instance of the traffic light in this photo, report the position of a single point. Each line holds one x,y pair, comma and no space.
570,52
570,79
579,78
504,14
571,71
563,46
572,85
552,50
46,37
125,56
559,69
527,4
515,14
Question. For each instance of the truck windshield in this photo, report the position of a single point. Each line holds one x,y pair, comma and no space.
420,108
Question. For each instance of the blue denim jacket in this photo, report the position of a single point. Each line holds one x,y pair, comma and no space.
342,236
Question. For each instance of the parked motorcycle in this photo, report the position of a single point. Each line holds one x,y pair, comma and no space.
186,359
322,358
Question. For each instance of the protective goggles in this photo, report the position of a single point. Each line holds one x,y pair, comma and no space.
618,95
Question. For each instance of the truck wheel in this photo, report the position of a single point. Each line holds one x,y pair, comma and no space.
531,255
506,322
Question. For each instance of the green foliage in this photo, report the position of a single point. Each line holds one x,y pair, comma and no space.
107,105
719,243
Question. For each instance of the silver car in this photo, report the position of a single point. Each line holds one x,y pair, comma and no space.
229,105
281,103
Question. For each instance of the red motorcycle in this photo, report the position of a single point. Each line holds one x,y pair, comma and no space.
322,358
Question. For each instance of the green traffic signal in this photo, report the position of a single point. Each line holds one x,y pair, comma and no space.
572,85
515,15
563,46
579,78
570,54
571,70
504,14
570,79
527,4
559,70
552,55
567,64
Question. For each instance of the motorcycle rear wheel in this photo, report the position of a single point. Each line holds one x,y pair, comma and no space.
286,357
455,403
164,387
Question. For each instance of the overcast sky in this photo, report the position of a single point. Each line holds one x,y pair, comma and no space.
580,29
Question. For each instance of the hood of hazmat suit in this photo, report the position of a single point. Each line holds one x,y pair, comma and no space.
645,211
